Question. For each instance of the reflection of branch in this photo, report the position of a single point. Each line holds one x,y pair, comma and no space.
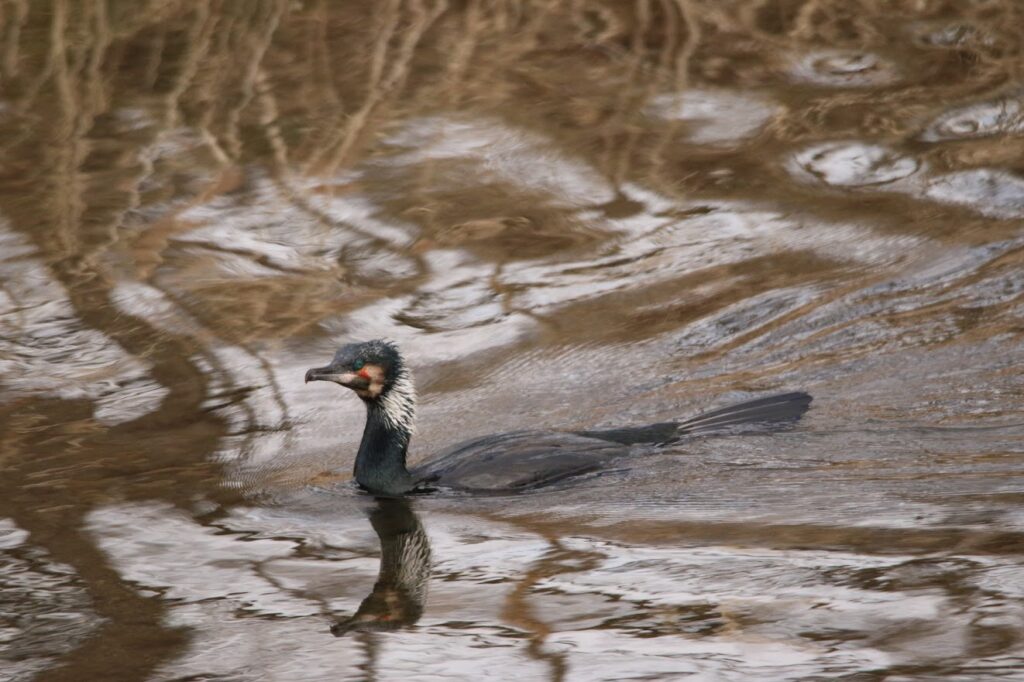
226,379
384,32
16,11
54,56
461,54
101,38
275,390
380,85
16,307
681,80
322,63
269,124
196,46
68,205
251,74
72,228
255,256
556,561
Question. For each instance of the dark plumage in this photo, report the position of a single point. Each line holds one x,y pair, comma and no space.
400,593
376,372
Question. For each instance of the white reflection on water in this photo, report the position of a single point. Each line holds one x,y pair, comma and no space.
1000,116
991,192
45,350
45,610
843,68
715,116
490,149
860,282
259,592
853,164
849,165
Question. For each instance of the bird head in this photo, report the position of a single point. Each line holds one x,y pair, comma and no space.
370,368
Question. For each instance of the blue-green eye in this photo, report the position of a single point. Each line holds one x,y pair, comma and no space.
358,365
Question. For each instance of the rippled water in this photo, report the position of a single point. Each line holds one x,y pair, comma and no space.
569,215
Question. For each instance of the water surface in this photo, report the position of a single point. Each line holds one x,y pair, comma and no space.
569,215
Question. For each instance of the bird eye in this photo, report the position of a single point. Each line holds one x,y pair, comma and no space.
358,365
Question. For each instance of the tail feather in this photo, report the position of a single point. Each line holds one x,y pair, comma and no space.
779,409
783,408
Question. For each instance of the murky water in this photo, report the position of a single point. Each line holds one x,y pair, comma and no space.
569,214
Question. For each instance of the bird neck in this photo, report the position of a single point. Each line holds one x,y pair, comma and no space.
400,593
380,463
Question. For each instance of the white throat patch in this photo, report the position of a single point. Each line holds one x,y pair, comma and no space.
399,403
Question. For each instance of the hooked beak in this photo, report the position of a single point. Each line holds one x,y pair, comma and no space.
338,376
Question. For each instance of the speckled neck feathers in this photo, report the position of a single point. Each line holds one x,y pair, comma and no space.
380,464
398,403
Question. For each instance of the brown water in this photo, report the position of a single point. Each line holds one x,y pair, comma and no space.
569,214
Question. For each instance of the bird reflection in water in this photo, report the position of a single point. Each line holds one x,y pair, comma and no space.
400,593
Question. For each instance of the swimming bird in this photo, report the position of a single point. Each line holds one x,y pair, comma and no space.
508,462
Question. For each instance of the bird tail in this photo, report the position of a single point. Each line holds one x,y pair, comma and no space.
785,408
772,413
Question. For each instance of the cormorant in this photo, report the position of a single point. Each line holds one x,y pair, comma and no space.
509,462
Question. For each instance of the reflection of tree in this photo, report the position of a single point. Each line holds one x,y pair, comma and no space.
120,109
116,116
400,593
